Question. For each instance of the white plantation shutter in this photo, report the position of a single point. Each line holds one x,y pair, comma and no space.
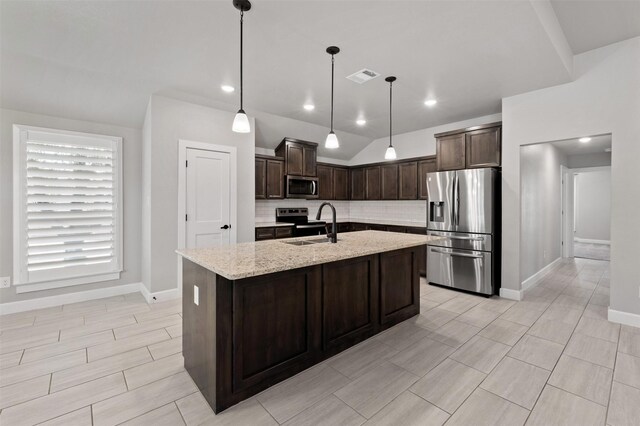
69,205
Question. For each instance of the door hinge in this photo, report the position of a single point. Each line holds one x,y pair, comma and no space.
186,163
186,217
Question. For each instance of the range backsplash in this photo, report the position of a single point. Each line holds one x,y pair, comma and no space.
379,211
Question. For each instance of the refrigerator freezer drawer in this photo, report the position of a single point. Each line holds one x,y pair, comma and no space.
463,269
464,241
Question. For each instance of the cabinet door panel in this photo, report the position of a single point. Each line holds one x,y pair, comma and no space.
308,161
350,295
425,167
399,286
295,160
357,184
408,185
325,182
451,152
261,178
389,182
275,179
372,180
340,184
275,324
483,148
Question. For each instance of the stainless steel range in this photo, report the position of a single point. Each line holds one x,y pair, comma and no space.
299,216
464,207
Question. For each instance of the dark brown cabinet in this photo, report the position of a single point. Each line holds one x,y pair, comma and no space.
408,181
372,183
389,181
399,286
357,184
272,232
483,148
340,183
325,182
299,156
473,147
425,167
269,178
421,251
450,152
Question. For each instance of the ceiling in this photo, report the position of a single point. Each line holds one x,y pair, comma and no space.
596,145
591,24
101,60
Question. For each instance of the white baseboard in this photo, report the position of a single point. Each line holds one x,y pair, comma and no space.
159,296
63,299
625,318
590,241
507,293
534,279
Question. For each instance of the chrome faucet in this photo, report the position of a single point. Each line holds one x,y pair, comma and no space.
334,231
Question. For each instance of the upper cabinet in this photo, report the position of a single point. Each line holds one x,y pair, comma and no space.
408,181
333,182
269,178
425,167
483,147
357,183
325,182
389,181
340,183
299,157
478,146
372,183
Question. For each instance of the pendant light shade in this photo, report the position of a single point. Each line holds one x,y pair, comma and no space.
241,121
332,140
390,154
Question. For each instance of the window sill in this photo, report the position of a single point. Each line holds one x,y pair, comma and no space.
27,288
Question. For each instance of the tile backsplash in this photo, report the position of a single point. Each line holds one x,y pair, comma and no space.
390,211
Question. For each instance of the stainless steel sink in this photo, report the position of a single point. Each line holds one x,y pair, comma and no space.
307,242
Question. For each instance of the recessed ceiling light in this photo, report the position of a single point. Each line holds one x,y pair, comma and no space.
361,122
309,107
430,102
585,140
227,88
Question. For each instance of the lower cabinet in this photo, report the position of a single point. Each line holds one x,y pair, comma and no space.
399,286
271,232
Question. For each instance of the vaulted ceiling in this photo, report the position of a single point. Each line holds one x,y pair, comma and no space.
101,60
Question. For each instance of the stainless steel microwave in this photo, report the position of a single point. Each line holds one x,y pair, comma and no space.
302,187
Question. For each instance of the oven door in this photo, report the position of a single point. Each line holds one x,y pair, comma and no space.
305,230
302,187
468,270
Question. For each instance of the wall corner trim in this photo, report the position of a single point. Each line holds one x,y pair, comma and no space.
625,318
510,294
534,279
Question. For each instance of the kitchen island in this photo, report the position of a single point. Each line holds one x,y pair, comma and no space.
257,313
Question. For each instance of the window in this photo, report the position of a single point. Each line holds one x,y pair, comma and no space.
67,208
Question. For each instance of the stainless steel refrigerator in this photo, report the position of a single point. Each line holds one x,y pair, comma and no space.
463,206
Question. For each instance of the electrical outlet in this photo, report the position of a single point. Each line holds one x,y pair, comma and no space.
196,295
5,282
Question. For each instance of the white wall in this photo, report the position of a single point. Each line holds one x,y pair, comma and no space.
589,160
414,144
172,120
593,204
603,98
132,151
541,189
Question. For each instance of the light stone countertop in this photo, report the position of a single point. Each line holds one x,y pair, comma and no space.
416,224
246,260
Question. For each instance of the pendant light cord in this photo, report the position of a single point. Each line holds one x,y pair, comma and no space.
332,72
390,112
241,43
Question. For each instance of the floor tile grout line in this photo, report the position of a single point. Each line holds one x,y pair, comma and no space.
615,361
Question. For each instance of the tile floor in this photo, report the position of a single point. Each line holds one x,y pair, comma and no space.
552,358
592,251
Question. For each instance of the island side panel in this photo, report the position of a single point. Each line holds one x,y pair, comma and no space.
399,286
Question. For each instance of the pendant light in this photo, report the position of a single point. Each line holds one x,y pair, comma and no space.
332,140
391,152
241,121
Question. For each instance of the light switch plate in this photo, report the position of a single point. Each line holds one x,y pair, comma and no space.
196,295
5,282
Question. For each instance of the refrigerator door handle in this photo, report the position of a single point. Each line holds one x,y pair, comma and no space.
452,253
457,200
453,200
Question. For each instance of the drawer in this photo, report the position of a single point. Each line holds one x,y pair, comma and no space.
265,234
284,232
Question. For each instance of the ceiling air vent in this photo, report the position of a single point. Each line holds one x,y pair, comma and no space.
363,76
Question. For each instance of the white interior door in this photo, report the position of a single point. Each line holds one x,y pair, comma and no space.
208,198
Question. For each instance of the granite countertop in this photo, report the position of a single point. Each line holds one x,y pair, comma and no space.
272,224
246,260
417,224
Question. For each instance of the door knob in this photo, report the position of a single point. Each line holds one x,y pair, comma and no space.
225,227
